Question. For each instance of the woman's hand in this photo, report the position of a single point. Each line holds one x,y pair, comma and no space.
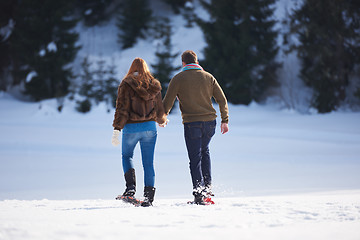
165,123
115,138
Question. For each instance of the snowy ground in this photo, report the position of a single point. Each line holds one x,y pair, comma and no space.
297,217
277,175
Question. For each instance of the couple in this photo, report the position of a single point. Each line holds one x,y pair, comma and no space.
139,106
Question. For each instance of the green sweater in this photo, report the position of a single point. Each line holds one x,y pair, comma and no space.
194,89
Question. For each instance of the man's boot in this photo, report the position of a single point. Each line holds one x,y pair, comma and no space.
208,191
198,198
149,193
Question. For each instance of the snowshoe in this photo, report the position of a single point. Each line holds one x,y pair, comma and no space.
129,199
209,200
199,203
199,199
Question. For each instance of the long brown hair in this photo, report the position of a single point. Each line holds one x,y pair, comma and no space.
144,76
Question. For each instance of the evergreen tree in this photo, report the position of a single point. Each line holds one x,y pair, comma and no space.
110,86
133,19
94,11
84,88
42,44
189,14
96,85
241,47
357,93
176,5
163,69
329,35
7,9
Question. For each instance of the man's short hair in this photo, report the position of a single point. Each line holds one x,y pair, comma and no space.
189,57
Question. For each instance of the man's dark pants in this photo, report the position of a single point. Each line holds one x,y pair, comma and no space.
197,138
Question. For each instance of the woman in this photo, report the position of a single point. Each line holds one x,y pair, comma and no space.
138,107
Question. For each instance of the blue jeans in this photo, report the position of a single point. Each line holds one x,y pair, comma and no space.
197,139
147,141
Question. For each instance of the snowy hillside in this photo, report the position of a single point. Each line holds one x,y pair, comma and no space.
101,41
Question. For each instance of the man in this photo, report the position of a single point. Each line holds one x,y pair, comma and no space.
195,89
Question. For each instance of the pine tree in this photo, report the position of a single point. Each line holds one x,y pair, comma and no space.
111,85
189,14
329,48
163,69
133,19
176,5
83,88
241,47
42,43
94,11
357,93
96,84
7,10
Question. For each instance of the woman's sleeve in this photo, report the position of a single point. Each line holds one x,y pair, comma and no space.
122,108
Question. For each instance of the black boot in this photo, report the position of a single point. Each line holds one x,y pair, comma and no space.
208,192
130,180
149,193
198,198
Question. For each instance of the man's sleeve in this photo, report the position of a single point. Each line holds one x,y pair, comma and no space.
170,96
160,114
220,98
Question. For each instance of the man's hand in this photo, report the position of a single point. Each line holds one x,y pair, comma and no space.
224,128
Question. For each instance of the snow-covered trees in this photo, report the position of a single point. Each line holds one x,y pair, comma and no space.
42,43
38,44
163,67
7,11
133,19
95,84
176,5
94,12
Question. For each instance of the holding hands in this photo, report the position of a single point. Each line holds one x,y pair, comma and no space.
165,123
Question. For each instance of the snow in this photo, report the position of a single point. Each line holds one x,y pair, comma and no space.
323,216
277,174
6,31
101,42
189,4
30,76
42,52
88,12
51,47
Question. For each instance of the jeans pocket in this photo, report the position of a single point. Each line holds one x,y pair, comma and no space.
210,130
193,132
151,134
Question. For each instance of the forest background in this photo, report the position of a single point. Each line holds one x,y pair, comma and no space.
303,55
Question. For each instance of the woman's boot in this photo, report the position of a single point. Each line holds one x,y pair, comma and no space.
130,180
149,193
